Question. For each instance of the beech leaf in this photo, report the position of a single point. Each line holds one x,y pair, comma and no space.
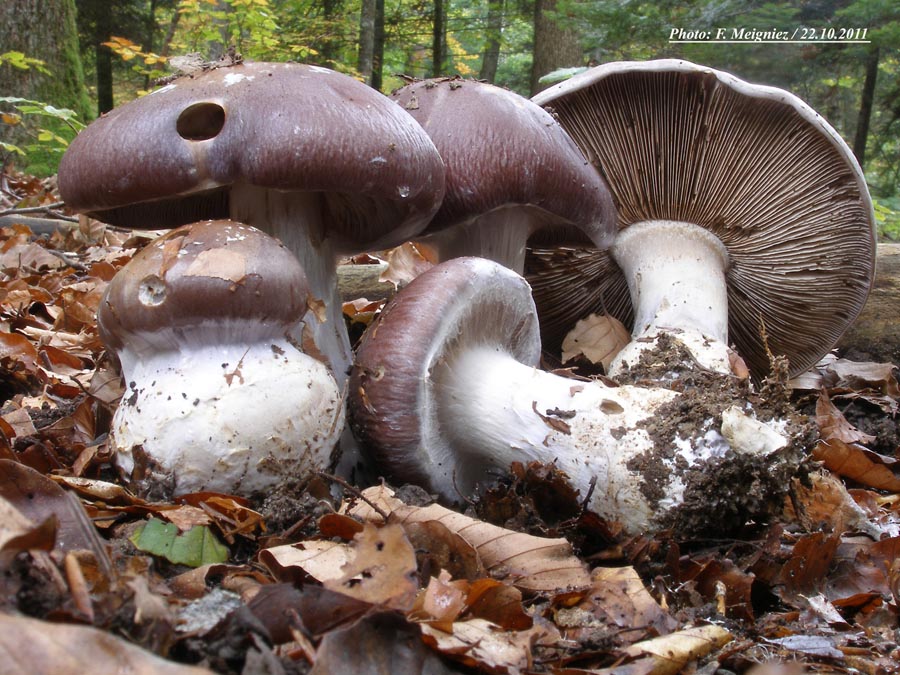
198,546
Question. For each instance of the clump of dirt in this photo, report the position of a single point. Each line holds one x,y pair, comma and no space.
723,491
296,505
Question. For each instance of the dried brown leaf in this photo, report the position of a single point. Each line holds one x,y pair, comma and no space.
43,648
857,464
382,570
484,645
406,262
833,424
599,337
532,564
321,560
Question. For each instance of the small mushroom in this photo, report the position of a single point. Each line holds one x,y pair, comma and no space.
313,157
446,389
511,170
743,216
218,396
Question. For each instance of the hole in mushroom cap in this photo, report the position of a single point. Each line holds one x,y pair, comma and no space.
201,121
152,291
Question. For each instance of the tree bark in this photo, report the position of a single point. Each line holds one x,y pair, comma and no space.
491,57
874,335
438,38
378,46
46,30
555,46
865,106
103,63
366,57
331,14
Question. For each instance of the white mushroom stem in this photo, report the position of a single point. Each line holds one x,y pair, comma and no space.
295,218
494,410
235,418
499,235
676,276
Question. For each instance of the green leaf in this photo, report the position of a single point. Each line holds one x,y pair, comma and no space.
198,546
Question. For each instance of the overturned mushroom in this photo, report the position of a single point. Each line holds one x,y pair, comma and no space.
511,170
446,388
742,213
311,156
218,397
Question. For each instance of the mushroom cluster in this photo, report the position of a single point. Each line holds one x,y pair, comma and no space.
313,157
744,218
218,396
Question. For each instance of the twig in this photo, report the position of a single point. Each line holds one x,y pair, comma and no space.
71,263
355,492
33,209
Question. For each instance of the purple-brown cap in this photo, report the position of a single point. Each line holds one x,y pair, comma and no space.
214,276
173,156
503,151
394,401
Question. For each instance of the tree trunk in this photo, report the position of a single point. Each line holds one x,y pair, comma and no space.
366,40
103,63
865,106
874,335
331,14
378,46
438,39
491,57
42,29
555,46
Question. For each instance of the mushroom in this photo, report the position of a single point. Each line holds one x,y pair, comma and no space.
743,216
511,170
311,156
446,388
218,396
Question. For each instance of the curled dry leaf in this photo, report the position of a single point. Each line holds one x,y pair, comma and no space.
833,424
321,560
531,564
483,644
669,654
42,648
858,464
406,262
599,337
821,502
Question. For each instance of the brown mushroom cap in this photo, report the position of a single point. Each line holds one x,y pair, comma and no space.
170,157
212,272
461,304
502,150
752,164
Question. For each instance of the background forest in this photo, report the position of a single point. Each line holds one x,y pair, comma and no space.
62,62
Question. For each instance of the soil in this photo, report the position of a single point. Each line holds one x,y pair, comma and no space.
724,493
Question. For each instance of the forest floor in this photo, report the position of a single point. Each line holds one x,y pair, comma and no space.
327,577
